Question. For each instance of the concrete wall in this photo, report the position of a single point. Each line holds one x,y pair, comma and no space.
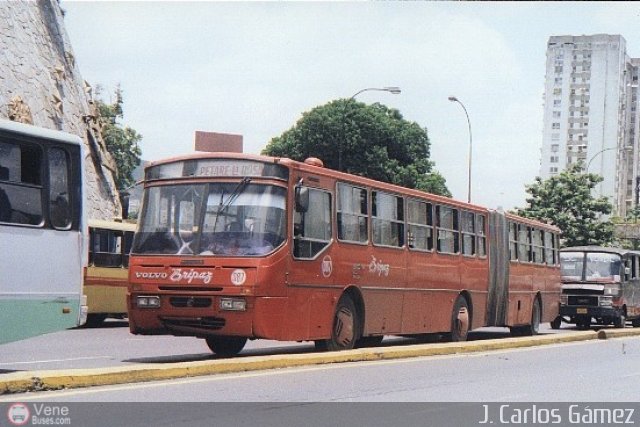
41,84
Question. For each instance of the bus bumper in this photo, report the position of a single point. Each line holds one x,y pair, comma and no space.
261,318
581,311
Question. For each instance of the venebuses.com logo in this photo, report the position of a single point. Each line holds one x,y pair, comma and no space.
18,414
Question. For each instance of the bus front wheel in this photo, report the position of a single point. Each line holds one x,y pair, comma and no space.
226,346
345,329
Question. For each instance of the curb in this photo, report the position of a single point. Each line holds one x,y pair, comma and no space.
76,378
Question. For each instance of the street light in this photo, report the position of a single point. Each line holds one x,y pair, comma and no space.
454,99
597,154
391,89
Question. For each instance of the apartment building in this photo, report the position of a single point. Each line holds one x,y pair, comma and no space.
590,114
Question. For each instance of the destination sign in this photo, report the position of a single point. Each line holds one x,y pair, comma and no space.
217,168
229,168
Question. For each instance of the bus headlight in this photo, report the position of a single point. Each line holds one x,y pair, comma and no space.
148,302
233,304
613,290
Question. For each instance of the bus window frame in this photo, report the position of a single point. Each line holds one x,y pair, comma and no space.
294,235
401,223
428,225
360,215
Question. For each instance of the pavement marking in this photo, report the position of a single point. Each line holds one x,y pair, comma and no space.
55,360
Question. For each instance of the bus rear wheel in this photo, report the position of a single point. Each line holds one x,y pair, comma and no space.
226,346
460,321
345,330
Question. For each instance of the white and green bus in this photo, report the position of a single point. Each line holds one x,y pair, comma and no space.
42,231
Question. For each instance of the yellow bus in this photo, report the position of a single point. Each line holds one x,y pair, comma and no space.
105,283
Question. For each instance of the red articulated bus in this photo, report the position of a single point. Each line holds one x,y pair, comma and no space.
232,247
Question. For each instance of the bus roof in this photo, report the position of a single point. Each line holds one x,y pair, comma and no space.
112,225
343,176
594,248
39,132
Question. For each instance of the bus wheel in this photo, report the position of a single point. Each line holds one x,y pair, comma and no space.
534,327
226,346
95,320
344,332
620,321
459,320
555,323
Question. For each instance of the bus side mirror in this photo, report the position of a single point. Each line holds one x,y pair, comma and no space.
302,199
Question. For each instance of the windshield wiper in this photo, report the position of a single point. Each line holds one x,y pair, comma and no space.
232,198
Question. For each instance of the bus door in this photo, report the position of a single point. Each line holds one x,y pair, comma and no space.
311,277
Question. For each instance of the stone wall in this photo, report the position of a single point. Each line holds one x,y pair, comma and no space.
40,84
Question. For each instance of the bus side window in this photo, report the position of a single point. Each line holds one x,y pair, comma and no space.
513,241
387,219
448,230
21,183
352,214
420,224
60,208
312,229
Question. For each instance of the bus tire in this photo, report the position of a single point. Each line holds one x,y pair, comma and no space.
95,320
620,321
460,320
345,328
536,314
555,323
226,346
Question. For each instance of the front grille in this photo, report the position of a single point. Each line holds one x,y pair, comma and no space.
582,292
195,302
212,323
583,300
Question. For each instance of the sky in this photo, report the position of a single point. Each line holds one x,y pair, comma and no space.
253,68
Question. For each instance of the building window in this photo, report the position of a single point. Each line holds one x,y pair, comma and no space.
557,102
554,159
556,114
555,148
555,125
555,136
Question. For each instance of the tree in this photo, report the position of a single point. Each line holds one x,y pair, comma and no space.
566,201
367,140
121,142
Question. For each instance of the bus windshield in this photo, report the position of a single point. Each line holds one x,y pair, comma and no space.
233,219
590,266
